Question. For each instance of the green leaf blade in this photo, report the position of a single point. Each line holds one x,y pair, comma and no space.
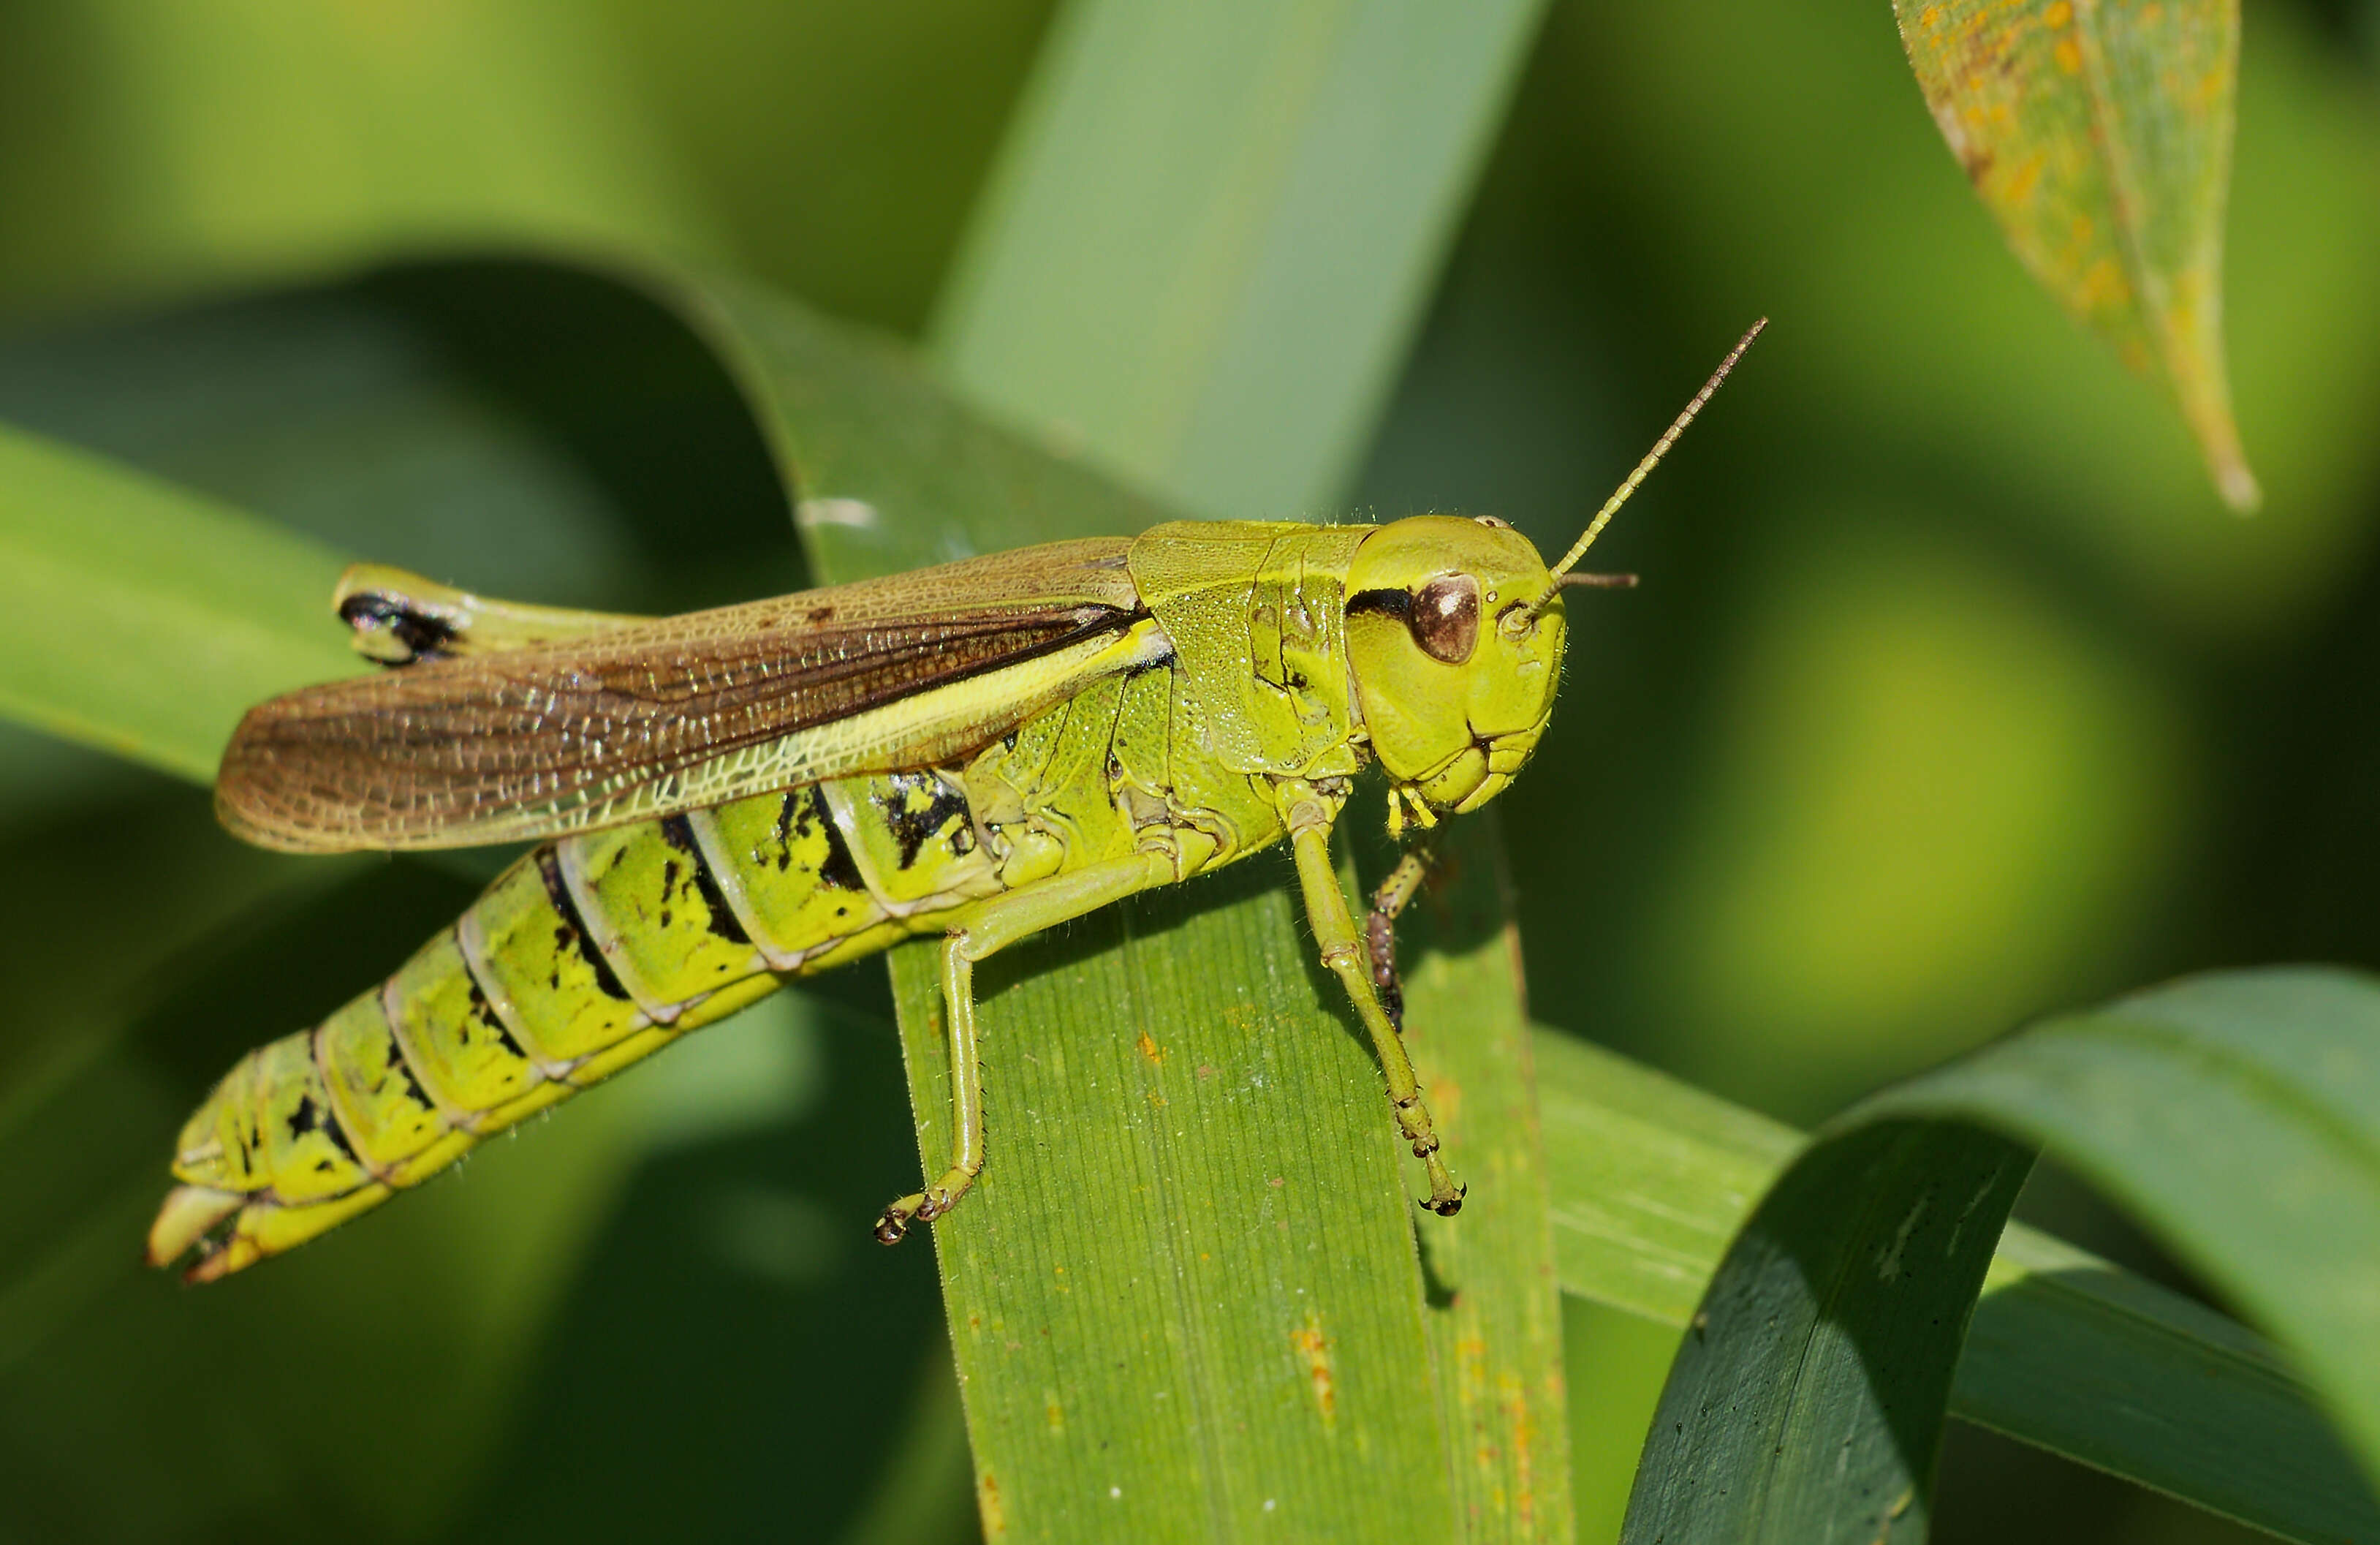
1192,1344
1204,251
2237,1116
1493,1322
143,619
1807,1397
1213,229
2070,1353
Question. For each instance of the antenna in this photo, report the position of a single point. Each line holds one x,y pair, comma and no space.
1561,575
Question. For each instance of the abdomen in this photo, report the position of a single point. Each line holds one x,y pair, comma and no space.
587,955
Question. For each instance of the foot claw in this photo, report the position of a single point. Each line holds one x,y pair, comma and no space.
892,1226
1450,1205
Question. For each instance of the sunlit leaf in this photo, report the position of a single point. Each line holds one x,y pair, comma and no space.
2099,133
1212,229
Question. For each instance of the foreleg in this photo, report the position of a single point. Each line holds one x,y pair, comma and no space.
1309,819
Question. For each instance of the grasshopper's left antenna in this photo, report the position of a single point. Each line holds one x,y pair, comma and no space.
1562,574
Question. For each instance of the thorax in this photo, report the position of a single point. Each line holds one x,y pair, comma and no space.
1257,614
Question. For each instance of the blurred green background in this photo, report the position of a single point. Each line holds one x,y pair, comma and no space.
1952,694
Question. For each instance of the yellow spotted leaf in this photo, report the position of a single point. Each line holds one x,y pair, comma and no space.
2099,134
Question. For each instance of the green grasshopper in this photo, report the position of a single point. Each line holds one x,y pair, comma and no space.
731,798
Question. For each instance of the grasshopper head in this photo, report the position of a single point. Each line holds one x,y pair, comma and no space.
1454,634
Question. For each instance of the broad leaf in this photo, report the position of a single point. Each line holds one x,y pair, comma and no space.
2099,133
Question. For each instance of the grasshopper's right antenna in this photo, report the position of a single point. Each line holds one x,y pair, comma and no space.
1561,571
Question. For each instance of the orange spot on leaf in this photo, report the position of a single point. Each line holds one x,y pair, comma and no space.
1314,1349
986,1502
2023,181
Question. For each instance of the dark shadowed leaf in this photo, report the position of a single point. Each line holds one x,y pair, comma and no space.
1652,1177
2235,1116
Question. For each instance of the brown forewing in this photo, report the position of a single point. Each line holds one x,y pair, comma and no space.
502,745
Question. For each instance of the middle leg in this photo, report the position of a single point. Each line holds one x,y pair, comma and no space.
987,926
1396,892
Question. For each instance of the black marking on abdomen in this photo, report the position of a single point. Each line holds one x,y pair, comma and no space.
332,1125
839,873
912,828
403,1068
484,1005
785,829
313,1116
678,833
574,927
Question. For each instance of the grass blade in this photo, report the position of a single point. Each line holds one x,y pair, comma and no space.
1202,257
1212,228
1187,1270
105,574
2234,1115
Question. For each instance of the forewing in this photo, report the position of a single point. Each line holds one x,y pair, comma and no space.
652,718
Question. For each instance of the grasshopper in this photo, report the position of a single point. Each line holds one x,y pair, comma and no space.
733,798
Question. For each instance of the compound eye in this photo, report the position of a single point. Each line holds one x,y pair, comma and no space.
1445,618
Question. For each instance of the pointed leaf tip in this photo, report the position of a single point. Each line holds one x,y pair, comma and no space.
2099,133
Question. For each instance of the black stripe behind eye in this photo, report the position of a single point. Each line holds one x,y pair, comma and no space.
1394,603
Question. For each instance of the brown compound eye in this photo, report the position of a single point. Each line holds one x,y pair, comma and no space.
1445,618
